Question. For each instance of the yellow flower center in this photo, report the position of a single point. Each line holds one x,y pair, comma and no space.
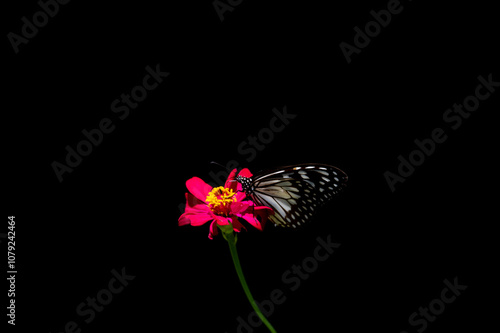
219,200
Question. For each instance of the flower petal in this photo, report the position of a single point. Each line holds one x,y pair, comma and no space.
195,219
263,212
251,216
184,219
199,219
245,173
221,220
231,180
213,230
240,207
237,226
240,195
234,185
196,212
198,188
194,205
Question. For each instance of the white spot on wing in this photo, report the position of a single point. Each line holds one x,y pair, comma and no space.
284,204
310,182
270,174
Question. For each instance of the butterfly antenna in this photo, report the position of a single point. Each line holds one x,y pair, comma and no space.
213,162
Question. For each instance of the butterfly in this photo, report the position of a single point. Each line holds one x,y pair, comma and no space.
293,192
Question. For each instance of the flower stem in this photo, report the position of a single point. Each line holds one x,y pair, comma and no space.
232,246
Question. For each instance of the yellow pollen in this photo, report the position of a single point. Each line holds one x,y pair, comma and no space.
219,200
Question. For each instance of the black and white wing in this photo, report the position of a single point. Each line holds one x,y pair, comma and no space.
295,192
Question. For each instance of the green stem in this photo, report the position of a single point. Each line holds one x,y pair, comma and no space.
232,246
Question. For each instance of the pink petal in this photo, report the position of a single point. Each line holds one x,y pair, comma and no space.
240,195
221,220
200,219
237,226
195,219
198,188
183,220
231,181
245,173
263,212
234,185
196,212
213,230
194,205
239,207
251,216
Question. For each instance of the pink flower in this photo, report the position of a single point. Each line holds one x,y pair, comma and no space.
222,205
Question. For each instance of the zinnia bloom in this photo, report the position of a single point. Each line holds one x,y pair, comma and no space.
222,205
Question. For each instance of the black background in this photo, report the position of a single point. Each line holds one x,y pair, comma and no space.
119,207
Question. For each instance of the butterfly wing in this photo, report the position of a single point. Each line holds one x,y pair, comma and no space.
295,192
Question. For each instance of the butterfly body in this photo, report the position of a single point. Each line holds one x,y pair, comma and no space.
293,192
246,183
